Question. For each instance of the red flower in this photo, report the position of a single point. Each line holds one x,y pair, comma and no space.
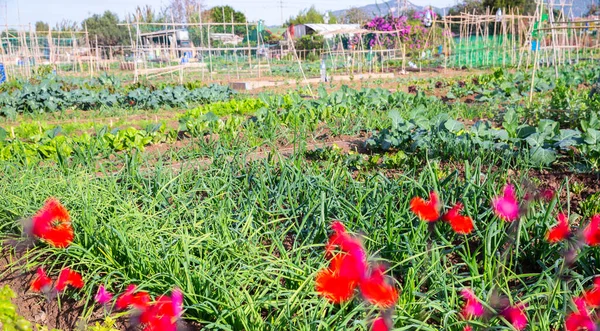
338,282
560,231
53,224
139,300
516,316
379,289
346,243
163,314
591,233
426,210
68,277
467,328
41,282
592,297
472,307
580,320
460,224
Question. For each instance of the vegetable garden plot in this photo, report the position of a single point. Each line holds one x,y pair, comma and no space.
449,235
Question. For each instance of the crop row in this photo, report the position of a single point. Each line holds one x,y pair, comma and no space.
51,95
270,114
443,136
426,131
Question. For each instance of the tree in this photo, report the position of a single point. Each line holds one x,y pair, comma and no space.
67,25
524,6
354,16
106,28
41,26
480,6
310,15
332,18
225,14
469,6
593,10
146,14
181,11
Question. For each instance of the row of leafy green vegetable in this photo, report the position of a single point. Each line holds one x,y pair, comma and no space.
53,94
502,85
445,137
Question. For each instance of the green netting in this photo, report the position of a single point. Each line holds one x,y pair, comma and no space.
482,52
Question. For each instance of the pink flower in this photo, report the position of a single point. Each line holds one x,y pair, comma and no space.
580,320
506,206
547,194
380,324
103,296
516,316
177,301
472,307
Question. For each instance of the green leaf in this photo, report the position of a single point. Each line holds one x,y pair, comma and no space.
500,134
396,118
536,140
54,132
542,156
453,126
592,137
481,128
524,131
511,122
548,127
592,123
567,138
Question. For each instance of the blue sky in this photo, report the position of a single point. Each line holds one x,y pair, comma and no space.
24,12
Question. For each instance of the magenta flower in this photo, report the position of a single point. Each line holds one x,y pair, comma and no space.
516,316
506,206
580,320
472,307
103,296
177,301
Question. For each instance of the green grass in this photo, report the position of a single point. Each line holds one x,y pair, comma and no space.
223,236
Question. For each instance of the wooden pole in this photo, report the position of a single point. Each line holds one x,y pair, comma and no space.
87,41
249,49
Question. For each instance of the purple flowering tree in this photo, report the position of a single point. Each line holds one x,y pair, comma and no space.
401,30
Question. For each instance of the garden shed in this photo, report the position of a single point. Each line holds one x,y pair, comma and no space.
326,30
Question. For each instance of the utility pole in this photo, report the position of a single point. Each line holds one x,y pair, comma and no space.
281,8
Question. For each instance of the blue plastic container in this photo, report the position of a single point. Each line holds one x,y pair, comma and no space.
2,73
534,45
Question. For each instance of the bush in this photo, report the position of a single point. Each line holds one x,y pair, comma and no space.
310,42
9,319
